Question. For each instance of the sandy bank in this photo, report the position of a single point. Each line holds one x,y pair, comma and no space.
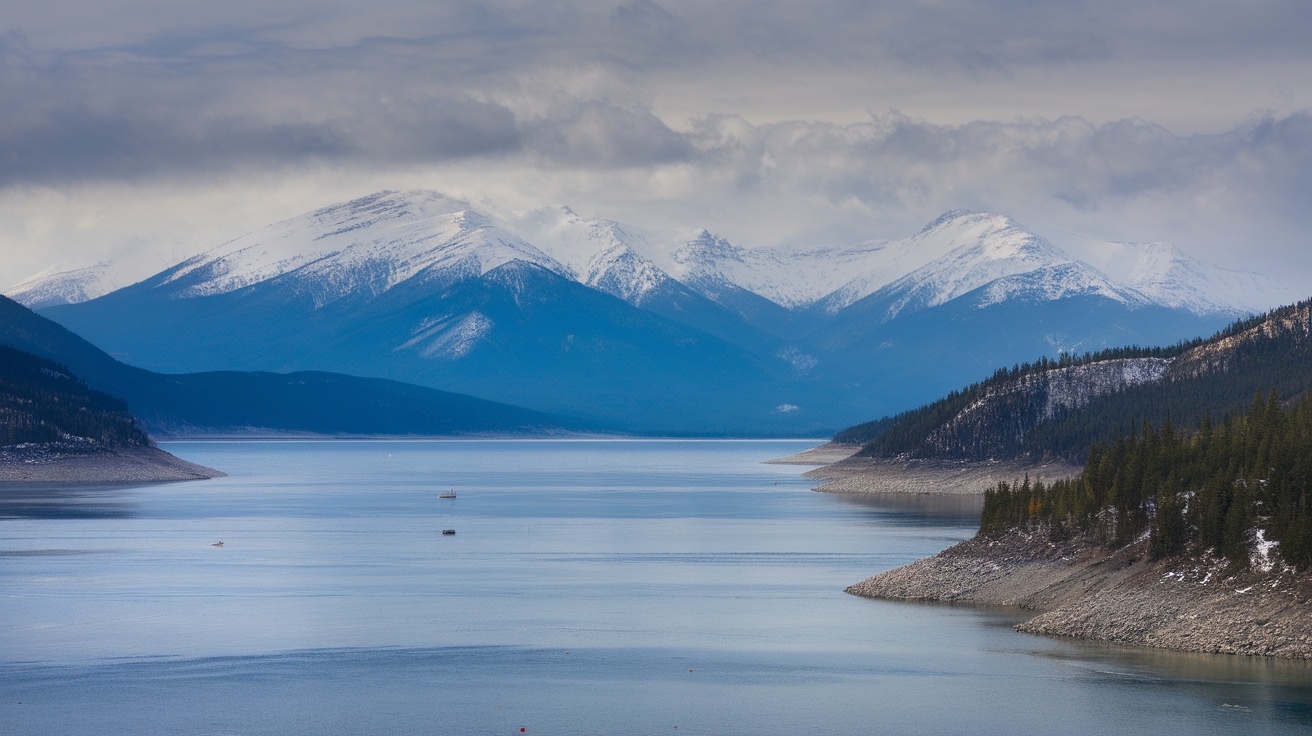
878,475
38,464
1087,592
825,454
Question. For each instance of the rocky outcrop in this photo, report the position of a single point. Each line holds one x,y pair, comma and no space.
1083,590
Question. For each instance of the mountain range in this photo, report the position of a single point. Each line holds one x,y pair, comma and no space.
585,317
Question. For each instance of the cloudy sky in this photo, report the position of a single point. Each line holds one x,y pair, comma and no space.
152,129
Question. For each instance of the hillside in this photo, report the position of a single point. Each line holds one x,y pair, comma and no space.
237,402
42,402
1195,541
1057,408
53,427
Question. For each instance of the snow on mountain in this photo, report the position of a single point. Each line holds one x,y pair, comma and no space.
597,253
371,244
449,337
1167,276
64,284
1049,393
957,253
367,245
979,251
793,279
962,251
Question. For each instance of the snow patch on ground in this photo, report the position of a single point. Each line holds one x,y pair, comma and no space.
1264,552
450,338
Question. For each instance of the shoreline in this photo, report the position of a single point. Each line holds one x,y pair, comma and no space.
1083,591
864,475
1076,589
40,465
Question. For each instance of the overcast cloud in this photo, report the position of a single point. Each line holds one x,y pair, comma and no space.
153,128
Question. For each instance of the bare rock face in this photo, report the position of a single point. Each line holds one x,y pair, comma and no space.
1084,591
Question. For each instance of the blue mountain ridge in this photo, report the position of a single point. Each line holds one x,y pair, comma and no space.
446,298
304,401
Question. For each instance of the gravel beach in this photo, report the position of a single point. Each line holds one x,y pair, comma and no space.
1085,591
44,464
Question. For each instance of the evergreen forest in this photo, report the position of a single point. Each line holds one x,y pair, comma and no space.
1011,417
42,402
1224,489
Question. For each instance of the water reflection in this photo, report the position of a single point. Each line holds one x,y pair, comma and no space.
917,509
1161,664
67,501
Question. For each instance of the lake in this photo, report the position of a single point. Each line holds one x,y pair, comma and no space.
592,587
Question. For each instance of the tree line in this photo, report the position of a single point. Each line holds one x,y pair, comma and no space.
1220,489
1010,417
41,401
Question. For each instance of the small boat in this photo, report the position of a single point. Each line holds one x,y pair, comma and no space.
448,531
449,494
217,544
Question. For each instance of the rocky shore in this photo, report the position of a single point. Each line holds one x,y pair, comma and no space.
52,463
1082,590
938,477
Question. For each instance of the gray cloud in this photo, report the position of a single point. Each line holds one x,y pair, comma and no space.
1135,119
163,92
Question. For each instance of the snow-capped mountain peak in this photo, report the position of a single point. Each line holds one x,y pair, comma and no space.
366,245
65,284
791,278
1169,277
597,253
371,244
962,251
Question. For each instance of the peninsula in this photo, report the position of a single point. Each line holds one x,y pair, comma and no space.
1115,508
54,429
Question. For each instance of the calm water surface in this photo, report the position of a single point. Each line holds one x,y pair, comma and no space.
592,588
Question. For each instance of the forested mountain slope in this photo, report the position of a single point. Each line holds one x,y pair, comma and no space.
1057,408
42,402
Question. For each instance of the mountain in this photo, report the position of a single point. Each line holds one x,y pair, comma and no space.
419,288
1167,276
232,401
987,256
1058,408
596,253
63,284
585,317
961,251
